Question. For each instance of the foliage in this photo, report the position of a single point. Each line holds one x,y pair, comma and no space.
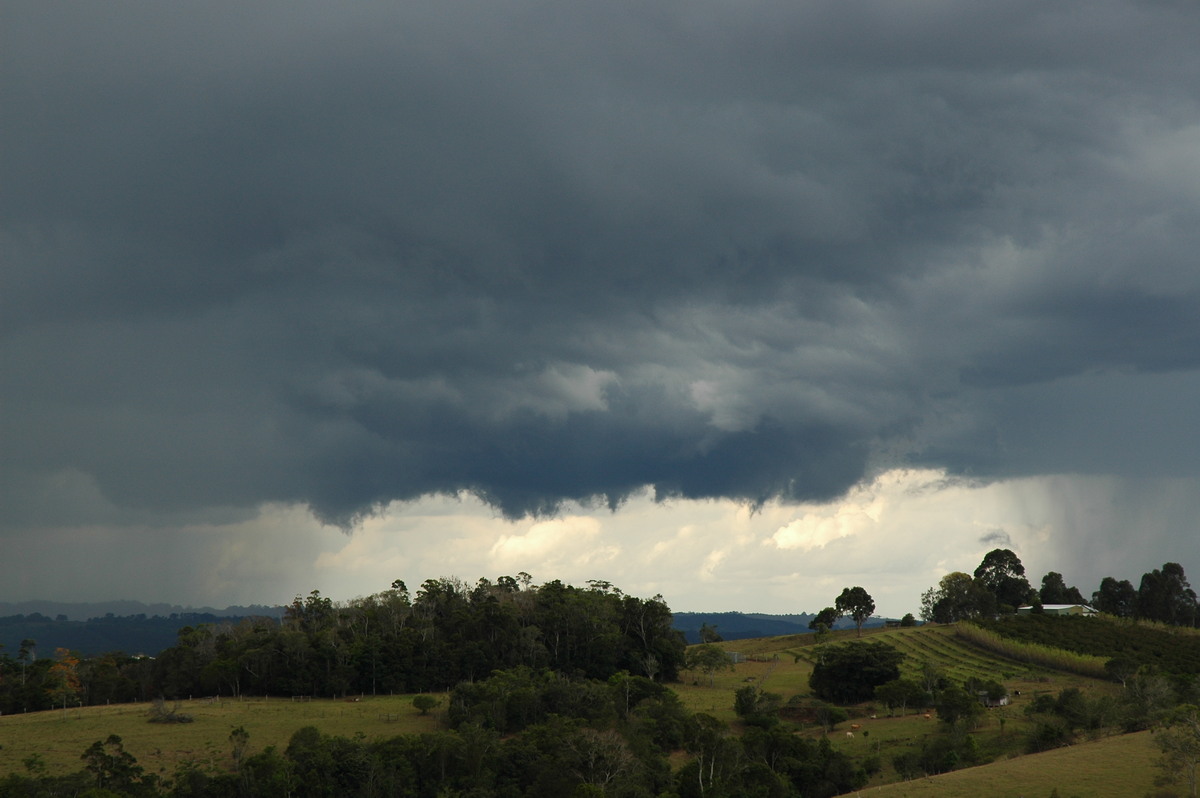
1102,638
955,705
159,713
1058,718
901,694
857,603
62,683
708,659
850,673
1002,574
1167,597
512,700
424,703
448,633
115,769
709,634
824,619
957,597
1055,591
1179,742
939,753
561,755
756,707
987,635
1114,597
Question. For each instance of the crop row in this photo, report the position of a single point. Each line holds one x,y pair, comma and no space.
961,661
1033,653
1146,644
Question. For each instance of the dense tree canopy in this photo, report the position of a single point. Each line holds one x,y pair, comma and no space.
1003,575
957,597
384,643
1055,591
1114,597
1167,597
850,673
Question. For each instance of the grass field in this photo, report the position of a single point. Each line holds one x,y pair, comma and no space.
1114,767
779,665
61,737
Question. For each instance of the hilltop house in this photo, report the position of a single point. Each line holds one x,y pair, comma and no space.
1060,609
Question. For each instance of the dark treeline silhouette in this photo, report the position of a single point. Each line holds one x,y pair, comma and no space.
999,587
389,642
137,634
448,632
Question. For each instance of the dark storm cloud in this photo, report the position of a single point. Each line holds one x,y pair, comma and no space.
340,256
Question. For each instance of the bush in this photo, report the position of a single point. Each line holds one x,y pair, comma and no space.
850,673
160,714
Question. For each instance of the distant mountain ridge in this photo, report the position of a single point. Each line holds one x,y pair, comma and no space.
743,625
81,611
102,627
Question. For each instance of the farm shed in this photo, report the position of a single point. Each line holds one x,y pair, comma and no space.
1060,609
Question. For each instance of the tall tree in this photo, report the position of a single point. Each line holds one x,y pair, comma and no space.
1116,598
957,597
1166,596
1055,591
857,603
709,634
1002,573
824,619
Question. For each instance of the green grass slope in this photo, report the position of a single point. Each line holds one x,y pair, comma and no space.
60,738
1113,767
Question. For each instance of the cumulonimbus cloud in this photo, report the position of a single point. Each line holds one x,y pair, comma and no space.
343,257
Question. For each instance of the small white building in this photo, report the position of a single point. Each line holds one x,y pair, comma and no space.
1060,609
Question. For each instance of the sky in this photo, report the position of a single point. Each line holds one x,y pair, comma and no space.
740,303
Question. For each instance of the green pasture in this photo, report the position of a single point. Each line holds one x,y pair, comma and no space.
60,737
779,665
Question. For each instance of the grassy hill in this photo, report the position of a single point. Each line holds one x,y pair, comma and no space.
779,665
1120,767
60,737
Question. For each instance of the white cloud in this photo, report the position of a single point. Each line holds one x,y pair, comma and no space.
895,536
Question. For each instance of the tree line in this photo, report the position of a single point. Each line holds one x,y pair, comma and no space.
388,642
999,586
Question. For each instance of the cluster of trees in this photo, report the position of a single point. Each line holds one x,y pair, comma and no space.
999,586
447,633
853,601
857,672
29,682
389,642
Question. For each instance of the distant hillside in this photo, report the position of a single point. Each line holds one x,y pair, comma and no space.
81,611
138,633
743,625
